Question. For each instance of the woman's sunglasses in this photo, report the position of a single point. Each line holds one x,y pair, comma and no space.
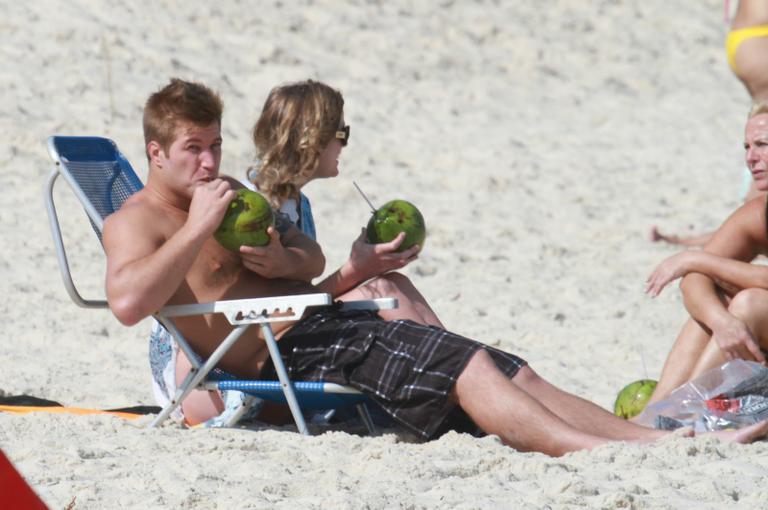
343,135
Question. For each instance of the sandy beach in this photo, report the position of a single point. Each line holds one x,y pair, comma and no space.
541,141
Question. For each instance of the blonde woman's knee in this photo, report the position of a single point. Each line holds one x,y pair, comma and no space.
393,282
749,303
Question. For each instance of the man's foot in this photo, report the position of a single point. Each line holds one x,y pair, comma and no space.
744,435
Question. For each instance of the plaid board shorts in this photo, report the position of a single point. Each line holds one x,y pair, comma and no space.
407,368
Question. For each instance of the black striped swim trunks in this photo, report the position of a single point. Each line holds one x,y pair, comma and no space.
407,368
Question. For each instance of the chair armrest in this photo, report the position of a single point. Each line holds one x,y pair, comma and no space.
253,311
371,304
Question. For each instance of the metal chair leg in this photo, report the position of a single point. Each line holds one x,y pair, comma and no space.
362,409
285,382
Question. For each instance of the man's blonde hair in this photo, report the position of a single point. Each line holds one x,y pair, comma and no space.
297,122
179,101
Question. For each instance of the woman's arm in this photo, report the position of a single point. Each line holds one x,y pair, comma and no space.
729,274
729,332
367,261
291,255
726,258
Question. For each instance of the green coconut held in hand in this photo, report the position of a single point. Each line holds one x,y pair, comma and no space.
632,399
394,217
246,221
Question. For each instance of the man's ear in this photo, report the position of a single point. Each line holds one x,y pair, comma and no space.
155,153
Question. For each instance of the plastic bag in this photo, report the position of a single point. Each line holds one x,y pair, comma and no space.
728,397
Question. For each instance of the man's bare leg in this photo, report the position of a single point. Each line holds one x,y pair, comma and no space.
501,407
586,416
681,360
580,413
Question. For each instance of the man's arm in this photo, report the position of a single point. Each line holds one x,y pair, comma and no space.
144,269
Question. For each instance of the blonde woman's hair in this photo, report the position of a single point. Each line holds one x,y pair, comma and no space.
297,122
758,108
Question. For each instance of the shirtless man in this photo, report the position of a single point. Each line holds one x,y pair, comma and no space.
725,294
160,251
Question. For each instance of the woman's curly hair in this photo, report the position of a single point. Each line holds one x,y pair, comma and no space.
297,122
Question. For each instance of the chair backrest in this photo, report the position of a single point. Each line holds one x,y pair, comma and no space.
97,171
101,179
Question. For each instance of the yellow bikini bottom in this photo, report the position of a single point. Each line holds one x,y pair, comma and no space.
736,37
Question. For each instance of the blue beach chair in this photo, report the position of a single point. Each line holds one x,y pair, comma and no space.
102,179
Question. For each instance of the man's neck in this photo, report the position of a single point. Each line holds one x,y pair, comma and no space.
164,194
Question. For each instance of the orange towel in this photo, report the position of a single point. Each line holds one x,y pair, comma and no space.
72,410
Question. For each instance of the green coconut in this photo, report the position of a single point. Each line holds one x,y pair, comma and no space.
246,221
632,399
394,217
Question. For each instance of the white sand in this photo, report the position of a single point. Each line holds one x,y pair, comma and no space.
540,139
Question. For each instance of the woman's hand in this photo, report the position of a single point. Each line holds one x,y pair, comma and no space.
668,271
269,261
368,260
736,341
